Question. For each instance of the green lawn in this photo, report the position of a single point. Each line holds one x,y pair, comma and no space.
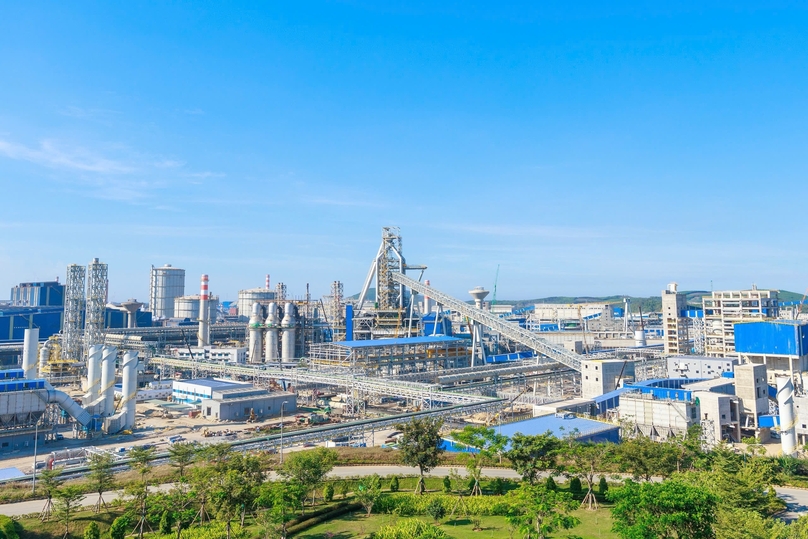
594,525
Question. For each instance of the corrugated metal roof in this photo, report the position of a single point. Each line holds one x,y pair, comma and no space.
560,427
437,339
10,473
211,383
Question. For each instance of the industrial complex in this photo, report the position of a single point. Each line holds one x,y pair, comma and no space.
80,370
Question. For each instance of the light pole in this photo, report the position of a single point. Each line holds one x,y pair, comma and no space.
281,451
36,437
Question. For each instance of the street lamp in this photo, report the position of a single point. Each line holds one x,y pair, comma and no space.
281,451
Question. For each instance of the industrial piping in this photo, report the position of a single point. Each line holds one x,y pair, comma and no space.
107,389
785,402
203,337
288,327
129,388
93,372
256,328
29,346
272,323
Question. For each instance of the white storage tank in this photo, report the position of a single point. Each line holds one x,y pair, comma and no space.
246,299
188,307
166,284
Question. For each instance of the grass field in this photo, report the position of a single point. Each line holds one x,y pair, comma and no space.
594,525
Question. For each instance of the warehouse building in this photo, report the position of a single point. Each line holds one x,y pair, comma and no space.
195,391
780,345
247,402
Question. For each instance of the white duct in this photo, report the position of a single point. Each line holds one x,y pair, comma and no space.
44,355
29,346
107,388
272,323
129,387
203,336
73,409
288,327
93,372
256,328
639,338
785,401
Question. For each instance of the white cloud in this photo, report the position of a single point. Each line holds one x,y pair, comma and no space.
51,154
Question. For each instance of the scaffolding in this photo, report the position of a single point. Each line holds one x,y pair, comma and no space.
97,291
74,308
280,292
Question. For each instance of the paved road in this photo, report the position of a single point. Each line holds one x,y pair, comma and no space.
796,501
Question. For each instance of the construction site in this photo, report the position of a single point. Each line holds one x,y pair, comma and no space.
274,369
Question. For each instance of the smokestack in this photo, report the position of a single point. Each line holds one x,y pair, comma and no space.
785,402
129,387
29,347
288,327
267,282
203,337
256,328
107,389
93,372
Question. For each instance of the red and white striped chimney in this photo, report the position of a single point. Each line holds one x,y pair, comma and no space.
267,283
203,336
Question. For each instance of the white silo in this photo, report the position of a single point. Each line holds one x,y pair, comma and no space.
29,346
272,325
288,327
109,356
188,307
785,402
639,338
246,298
93,372
256,329
44,356
129,389
165,284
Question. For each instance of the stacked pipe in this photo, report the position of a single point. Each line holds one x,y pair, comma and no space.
256,327
785,402
107,388
29,346
203,336
288,327
272,324
129,387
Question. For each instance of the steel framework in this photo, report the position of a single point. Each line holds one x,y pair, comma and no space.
97,291
74,306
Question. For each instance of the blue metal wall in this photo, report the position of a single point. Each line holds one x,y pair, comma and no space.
14,322
780,337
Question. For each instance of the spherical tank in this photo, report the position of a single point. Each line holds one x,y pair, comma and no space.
246,298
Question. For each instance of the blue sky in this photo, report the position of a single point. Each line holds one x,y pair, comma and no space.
586,149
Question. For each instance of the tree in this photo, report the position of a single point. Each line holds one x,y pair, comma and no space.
118,528
644,458
165,523
368,492
486,443
585,460
141,459
575,486
672,509
529,455
436,510
92,531
420,446
344,488
603,486
49,482
743,524
550,483
542,510
68,502
394,484
180,456
328,492
235,486
309,468
101,476
447,484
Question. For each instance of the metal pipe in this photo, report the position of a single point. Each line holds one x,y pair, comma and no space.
29,346
107,389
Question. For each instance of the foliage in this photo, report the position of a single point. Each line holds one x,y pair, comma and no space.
410,504
309,468
68,500
8,528
410,529
744,524
447,484
165,523
575,486
498,486
550,483
180,456
101,476
671,509
92,531
368,492
486,443
542,510
119,527
586,460
643,458
282,498
435,509
328,492
394,484
530,455
344,488
420,445
603,486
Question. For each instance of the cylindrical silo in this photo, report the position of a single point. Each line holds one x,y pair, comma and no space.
256,328
166,284
203,335
639,337
188,307
129,387
246,298
29,346
785,401
44,356
93,372
272,324
109,355
288,327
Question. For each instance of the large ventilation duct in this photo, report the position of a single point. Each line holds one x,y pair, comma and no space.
107,388
129,387
29,346
288,327
71,407
256,328
785,401
93,372
272,324
203,336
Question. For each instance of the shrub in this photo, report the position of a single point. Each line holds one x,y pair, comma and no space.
119,528
8,528
410,529
394,484
447,484
92,531
344,488
328,492
435,509
603,486
550,484
498,486
165,523
575,486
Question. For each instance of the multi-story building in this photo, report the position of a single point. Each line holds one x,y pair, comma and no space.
674,324
45,294
724,309
780,345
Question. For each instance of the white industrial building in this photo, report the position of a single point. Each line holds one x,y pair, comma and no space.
247,402
724,309
674,324
194,391
236,354
165,284
699,366
602,376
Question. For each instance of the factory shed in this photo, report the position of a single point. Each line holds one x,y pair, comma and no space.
194,391
563,426
777,337
242,403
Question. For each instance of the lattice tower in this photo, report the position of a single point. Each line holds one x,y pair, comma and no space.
335,304
280,292
97,293
74,305
388,292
